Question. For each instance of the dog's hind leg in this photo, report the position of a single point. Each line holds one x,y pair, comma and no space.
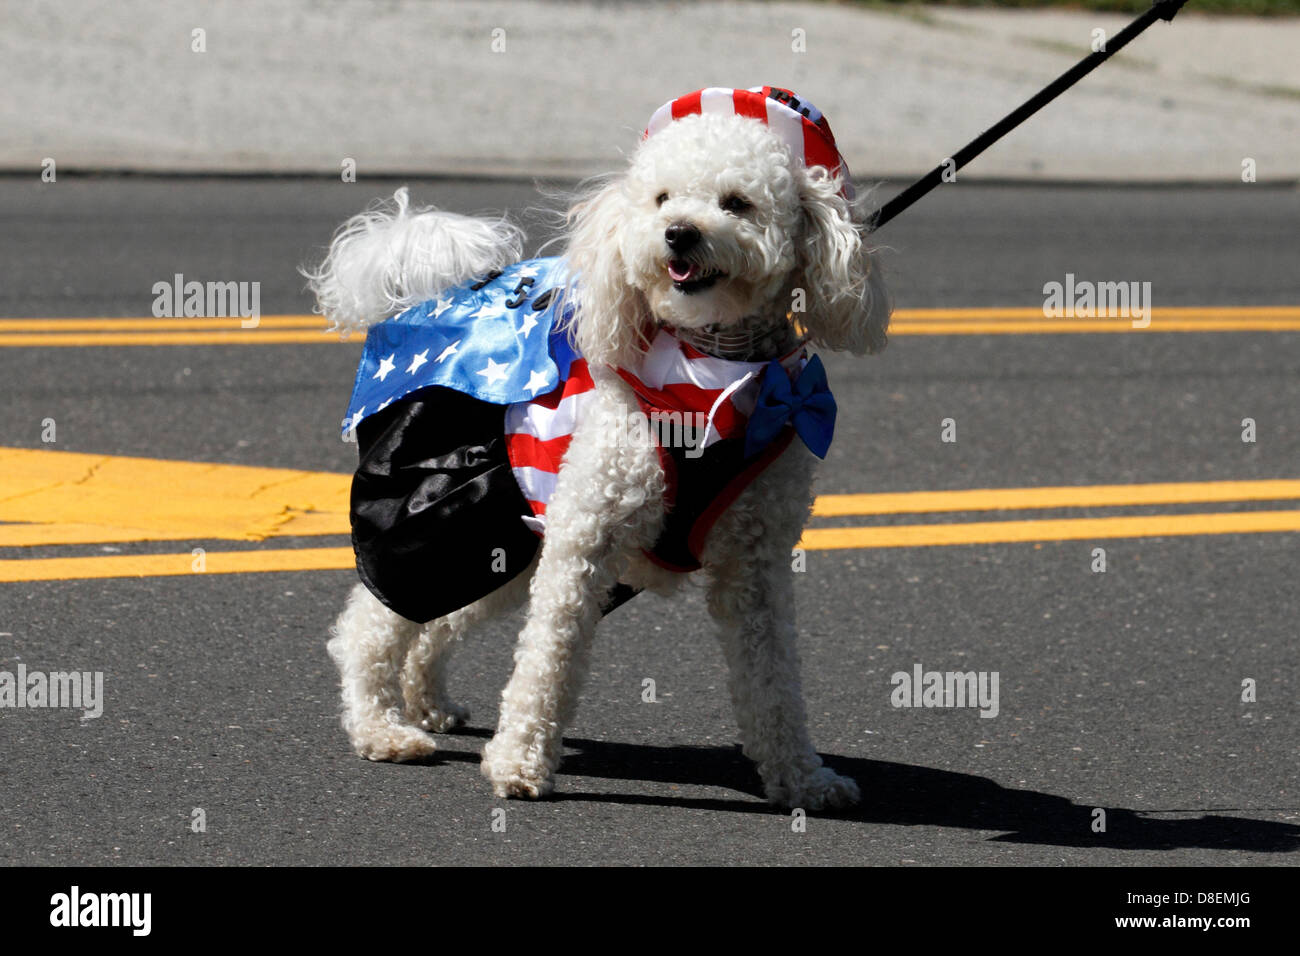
424,675
369,644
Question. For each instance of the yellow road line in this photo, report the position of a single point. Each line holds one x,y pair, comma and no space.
152,324
310,329
58,497
1063,529
290,337
1059,327
1007,313
1196,312
293,523
54,497
67,498
903,536
242,337
176,565
1063,496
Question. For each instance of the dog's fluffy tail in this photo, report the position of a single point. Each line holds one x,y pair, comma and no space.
391,257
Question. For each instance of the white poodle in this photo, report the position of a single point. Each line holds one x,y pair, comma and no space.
702,272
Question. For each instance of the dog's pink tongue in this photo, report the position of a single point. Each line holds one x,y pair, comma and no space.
681,271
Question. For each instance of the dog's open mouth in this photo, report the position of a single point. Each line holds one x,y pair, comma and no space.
688,277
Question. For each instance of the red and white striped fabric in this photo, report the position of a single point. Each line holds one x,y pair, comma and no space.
673,377
538,434
799,124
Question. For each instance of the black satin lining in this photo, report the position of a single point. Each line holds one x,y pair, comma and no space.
435,507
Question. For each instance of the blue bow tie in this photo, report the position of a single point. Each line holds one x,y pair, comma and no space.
808,405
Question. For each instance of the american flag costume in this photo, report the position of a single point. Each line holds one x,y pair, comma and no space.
463,408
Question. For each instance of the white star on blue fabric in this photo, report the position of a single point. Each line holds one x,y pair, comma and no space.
385,366
417,360
485,311
449,351
536,382
441,306
530,323
527,272
495,372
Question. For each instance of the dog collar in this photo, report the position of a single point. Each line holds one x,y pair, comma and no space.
742,344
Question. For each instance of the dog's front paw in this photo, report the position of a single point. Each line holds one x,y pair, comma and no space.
822,789
513,773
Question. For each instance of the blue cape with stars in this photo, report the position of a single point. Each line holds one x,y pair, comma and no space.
492,338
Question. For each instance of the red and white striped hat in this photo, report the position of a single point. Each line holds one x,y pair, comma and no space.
800,124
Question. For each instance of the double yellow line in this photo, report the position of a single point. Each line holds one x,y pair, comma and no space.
311,329
1054,529
270,330
50,498
1031,321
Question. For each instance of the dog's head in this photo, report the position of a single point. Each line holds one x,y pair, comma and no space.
718,221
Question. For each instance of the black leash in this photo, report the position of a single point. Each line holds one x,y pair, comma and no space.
1160,10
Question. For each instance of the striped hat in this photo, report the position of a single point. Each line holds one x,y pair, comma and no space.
800,124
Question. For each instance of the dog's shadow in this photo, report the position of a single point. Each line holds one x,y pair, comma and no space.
905,795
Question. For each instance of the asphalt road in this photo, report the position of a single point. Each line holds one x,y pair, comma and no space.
1119,691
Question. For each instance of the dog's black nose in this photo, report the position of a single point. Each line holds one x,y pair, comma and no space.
681,236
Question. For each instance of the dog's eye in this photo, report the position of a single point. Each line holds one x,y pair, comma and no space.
735,204
661,199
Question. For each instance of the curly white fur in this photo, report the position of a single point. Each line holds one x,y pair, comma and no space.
391,257
793,240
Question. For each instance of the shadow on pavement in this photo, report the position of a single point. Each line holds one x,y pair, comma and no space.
901,794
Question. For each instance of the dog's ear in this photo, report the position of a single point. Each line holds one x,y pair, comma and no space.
610,318
847,307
